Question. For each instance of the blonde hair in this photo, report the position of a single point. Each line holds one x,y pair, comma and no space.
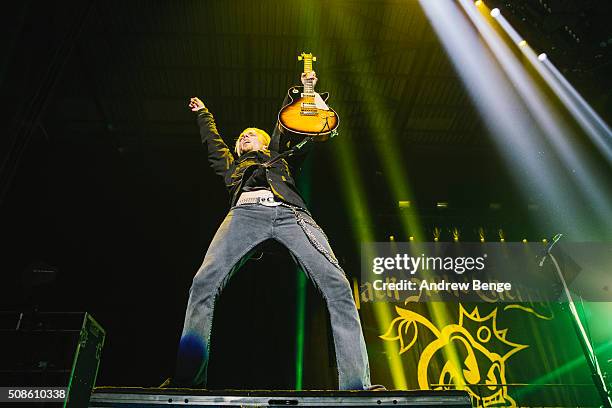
263,137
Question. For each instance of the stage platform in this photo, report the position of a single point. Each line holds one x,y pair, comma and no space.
155,397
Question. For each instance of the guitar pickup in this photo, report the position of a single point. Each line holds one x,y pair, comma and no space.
308,105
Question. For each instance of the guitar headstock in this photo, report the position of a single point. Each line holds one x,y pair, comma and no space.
308,59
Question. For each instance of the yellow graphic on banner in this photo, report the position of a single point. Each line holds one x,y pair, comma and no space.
483,348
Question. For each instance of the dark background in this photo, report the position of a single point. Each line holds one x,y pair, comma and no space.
104,180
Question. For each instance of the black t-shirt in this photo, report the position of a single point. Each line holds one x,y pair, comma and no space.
257,180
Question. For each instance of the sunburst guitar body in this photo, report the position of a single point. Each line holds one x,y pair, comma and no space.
307,113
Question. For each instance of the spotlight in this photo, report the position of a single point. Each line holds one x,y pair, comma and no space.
411,238
391,238
522,43
524,240
495,13
478,3
544,241
542,56
442,204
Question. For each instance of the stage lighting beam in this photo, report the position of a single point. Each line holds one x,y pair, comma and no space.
585,116
552,127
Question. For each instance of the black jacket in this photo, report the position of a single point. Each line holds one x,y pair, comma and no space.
235,171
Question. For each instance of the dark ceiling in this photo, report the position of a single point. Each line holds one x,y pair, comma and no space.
121,72
134,66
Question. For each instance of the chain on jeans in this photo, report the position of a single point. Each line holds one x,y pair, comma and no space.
302,221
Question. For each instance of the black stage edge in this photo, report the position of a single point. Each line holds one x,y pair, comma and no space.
127,397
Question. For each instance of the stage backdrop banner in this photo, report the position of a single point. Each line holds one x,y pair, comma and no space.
511,354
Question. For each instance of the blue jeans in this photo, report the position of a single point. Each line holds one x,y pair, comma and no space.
243,229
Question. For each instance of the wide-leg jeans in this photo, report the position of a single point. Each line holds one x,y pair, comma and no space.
244,228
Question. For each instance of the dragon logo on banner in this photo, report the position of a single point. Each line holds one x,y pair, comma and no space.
473,353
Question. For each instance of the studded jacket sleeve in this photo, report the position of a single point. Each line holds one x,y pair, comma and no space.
219,155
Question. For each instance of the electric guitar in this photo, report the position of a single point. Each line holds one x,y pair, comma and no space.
307,113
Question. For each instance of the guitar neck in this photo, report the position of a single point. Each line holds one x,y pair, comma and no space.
308,86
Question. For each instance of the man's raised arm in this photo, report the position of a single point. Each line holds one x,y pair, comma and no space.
219,155
281,143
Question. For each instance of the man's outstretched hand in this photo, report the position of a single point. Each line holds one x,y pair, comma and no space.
309,76
196,104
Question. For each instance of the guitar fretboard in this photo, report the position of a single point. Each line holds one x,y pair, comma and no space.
308,86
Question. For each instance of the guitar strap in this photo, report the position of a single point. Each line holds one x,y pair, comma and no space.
295,148
289,152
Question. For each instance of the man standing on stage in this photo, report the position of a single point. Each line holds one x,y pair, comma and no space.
265,204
